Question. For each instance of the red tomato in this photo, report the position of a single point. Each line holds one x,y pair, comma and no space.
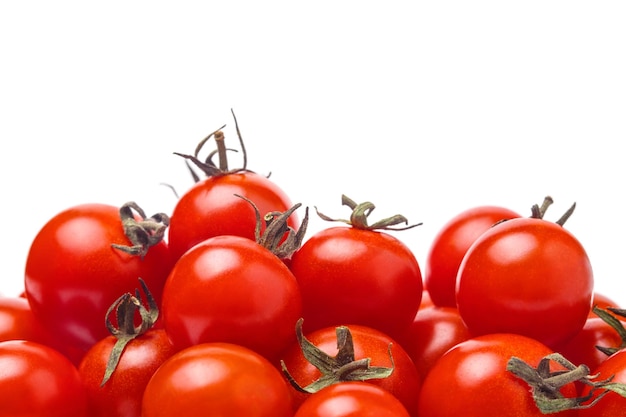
612,404
218,379
352,399
17,321
449,246
122,394
527,276
356,276
471,379
37,380
603,301
582,348
404,382
73,274
433,331
231,289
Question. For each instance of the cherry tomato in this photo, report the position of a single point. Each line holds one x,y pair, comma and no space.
217,379
73,274
528,276
122,394
612,404
404,382
37,380
352,399
472,380
433,331
231,289
449,246
357,275
17,322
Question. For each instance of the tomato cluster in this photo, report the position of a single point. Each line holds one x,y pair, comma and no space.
226,307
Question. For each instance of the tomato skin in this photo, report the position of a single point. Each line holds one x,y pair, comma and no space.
73,274
17,322
449,246
349,275
352,399
217,379
581,349
471,379
524,272
612,404
433,331
404,383
210,208
231,289
37,380
122,394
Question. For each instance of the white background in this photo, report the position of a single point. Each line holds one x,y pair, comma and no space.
423,108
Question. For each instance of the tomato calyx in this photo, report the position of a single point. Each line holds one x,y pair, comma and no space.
538,212
615,323
339,368
125,308
546,384
360,213
279,238
208,166
144,233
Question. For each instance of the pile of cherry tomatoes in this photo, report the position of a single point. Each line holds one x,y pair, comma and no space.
228,307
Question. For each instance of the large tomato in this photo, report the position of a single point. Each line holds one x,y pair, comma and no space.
217,379
336,354
449,246
352,399
37,380
74,273
472,380
528,276
210,208
231,289
358,274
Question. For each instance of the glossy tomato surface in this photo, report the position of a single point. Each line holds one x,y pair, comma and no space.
449,246
352,399
527,276
217,379
355,276
17,321
36,380
471,379
73,274
404,383
231,289
211,208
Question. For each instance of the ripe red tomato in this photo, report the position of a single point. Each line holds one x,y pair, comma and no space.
357,275
122,394
527,276
217,379
612,404
73,274
231,289
471,379
433,331
351,399
449,246
37,380
17,322
404,382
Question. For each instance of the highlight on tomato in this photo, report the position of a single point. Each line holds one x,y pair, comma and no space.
528,276
82,259
217,379
359,273
211,206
